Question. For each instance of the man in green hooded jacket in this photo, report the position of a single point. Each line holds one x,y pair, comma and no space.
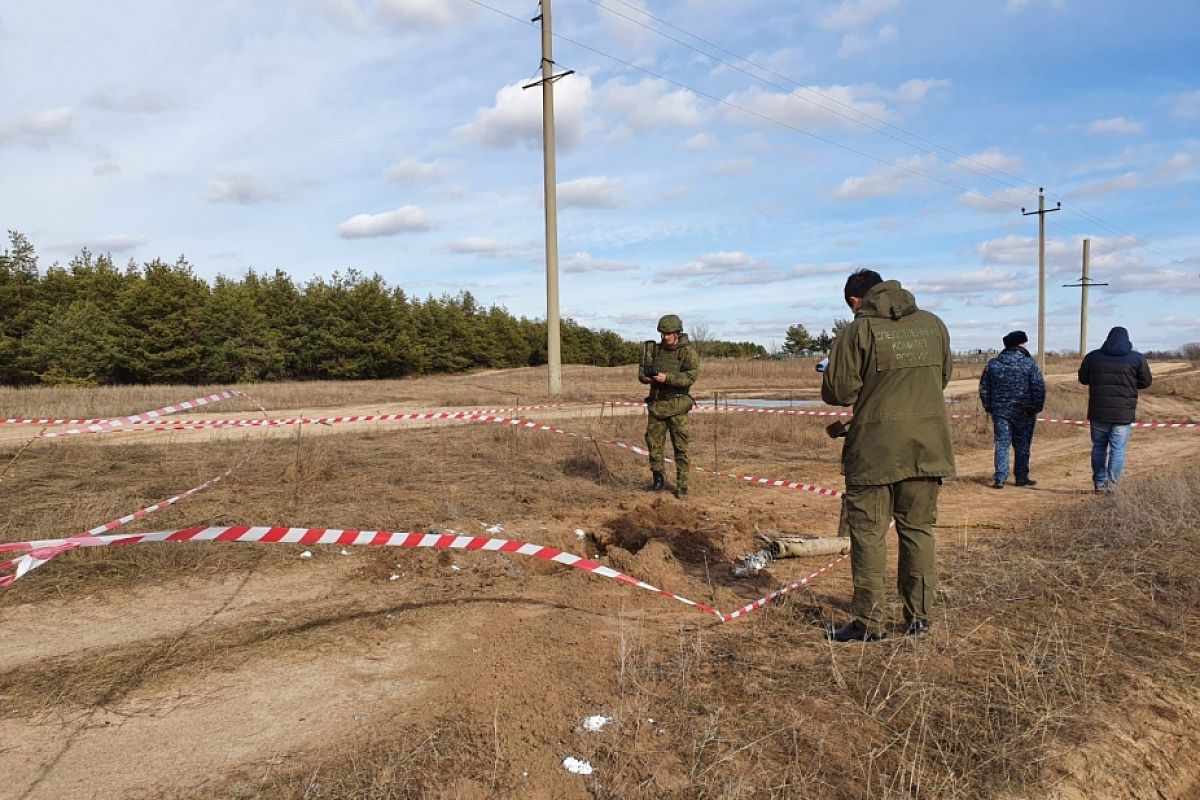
674,370
892,363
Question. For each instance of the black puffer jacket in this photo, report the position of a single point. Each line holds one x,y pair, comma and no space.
1113,375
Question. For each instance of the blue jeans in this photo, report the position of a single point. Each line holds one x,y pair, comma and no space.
1108,452
1018,434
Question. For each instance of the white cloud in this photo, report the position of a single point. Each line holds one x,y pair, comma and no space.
726,268
410,170
1002,300
884,181
701,141
345,13
915,89
583,262
238,185
856,43
1005,201
422,14
991,159
479,246
802,109
1178,168
38,129
973,282
1185,105
516,117
141,101
1023,250
652,103
851,14
407,219
1115,125
593,192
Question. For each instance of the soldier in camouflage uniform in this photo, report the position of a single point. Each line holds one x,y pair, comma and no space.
892,363
675,367
1013,391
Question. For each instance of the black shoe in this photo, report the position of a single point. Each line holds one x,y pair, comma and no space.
681,491
1027,482
997,484
658,484
918,627
853,631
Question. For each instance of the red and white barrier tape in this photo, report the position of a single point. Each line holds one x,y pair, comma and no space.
762,601
154,419
37,553
112,424
48,548
41,551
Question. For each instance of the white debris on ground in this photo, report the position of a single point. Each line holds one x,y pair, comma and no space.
595,723
494,529
394,578
577,767
345,552
753,563
581,533
455,567
306,554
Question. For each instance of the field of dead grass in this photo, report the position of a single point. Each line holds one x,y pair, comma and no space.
1064,633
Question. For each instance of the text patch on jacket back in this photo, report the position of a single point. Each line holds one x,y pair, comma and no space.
906,344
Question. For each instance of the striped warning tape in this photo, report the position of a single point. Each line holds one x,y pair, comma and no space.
48,548
145,422
112,424
38,552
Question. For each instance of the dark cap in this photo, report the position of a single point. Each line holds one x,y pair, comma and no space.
1015,338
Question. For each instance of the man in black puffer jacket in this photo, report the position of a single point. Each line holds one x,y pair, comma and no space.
1113,374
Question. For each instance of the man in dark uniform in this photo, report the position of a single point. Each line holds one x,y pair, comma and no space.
892,363
1013,391
675,367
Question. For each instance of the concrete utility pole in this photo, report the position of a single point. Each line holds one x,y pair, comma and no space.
553,334
1084,283
1041,212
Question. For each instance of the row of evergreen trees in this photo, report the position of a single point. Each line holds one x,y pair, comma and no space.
90,322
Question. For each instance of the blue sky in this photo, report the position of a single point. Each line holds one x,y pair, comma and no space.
393,136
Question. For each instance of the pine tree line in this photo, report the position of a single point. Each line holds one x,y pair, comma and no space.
91,322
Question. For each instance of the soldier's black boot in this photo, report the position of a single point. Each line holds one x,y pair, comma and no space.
681,491
658,483
853,631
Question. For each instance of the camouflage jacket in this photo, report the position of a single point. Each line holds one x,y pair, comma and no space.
680,364
1012,386
892,363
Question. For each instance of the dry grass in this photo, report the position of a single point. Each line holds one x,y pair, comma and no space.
1040,631
1037,632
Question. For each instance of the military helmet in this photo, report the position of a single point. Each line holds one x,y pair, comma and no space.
670,324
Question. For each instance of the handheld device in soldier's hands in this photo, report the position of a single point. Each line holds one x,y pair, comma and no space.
837,429
649,350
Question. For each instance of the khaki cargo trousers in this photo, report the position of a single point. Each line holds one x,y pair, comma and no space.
656,440
869,511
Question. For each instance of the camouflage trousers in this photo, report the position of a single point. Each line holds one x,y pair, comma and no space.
1016,433
869,511
656,440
